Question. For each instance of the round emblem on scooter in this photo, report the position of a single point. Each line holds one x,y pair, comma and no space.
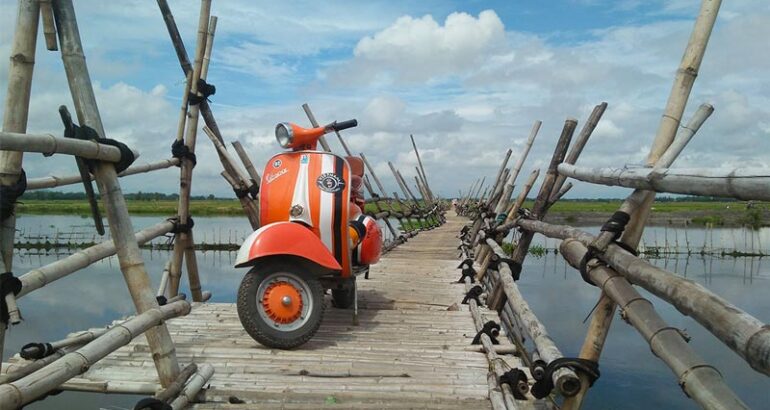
277,163
330,182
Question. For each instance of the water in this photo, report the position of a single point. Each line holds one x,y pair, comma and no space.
632,377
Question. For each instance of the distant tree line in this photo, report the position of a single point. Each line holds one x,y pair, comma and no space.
138,196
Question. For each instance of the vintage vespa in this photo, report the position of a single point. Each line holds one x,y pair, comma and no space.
313,236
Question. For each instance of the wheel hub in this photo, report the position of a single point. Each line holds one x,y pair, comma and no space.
282,302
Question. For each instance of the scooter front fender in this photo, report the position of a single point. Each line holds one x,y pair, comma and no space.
285,238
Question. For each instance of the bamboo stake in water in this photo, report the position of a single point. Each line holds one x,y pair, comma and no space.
121,229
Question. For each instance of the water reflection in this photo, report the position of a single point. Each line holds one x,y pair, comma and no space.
632,378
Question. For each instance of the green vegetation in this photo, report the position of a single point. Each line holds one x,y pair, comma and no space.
712,220
753,218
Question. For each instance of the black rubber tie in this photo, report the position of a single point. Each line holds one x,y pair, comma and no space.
8,284
544,386
514,378
473,294
9,195
490,329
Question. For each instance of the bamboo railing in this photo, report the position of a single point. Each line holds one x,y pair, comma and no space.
606,260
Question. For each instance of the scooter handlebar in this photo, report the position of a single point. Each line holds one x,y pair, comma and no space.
343,125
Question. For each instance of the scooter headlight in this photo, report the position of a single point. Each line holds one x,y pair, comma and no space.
284,134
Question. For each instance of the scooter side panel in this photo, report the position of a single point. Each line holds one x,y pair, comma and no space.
284,238
317,186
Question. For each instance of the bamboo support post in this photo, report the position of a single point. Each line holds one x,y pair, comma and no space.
422,170
37,278
513,211
313,121
16,111
121,228
185,181
250,207
578,144
540,207
37,384
49,30
53,181
164,280
564,379
193,387
510,183
78,339
244,181
377,182
173,390
246,161
699,380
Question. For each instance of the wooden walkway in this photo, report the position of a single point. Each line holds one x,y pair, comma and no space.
410,350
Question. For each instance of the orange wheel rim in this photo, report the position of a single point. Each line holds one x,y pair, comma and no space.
282,302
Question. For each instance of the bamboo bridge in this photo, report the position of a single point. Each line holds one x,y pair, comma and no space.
428,334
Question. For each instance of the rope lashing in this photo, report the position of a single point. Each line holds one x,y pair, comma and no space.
86,133
181,227
35,351
617,223
205,89
467,271
8,284
490,329
9,195
518,380
544,385
473,294
182,151
252,190
495,260
151,403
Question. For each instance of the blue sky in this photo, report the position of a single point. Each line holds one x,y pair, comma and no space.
466,78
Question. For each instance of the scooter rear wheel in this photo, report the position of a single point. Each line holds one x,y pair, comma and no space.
280,305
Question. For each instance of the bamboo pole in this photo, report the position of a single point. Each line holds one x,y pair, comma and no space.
577,146
49,30
422,169
185,179
379,185
16,111
121,229
37,278
246,161
173,390
37,384
744,334
502,204
540,206
738,183
699,380
244,181
250,207
164,280
53,181
677,101
600,324
313,121
18,370
193,387
48,145
564,379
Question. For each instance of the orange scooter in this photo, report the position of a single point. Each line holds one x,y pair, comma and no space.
313,236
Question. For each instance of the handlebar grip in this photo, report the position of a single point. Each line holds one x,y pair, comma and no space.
339,126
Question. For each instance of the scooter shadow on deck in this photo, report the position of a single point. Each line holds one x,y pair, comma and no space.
337,326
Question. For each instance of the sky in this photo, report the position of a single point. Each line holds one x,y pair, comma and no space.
467,79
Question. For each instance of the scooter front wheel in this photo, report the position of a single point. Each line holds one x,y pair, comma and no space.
280,305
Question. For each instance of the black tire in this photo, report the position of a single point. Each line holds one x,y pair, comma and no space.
257,326
344,296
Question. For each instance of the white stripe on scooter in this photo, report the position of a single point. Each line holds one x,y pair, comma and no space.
327,205
300,196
